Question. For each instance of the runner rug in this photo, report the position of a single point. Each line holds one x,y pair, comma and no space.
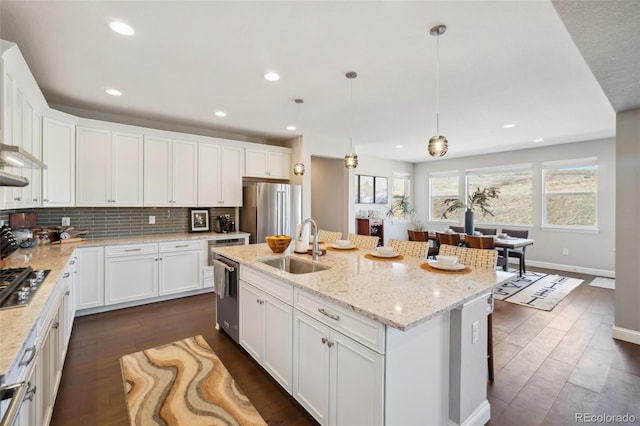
183,383
540,291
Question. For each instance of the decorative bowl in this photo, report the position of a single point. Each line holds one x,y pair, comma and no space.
278,243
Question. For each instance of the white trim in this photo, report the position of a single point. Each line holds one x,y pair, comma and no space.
509,168
570,164
631,336
480,416
566,228
570,268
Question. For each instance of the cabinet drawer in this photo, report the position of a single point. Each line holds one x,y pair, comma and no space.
180,246
364,330
280,290
130,249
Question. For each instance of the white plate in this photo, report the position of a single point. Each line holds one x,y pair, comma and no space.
387,256
456,267
342,247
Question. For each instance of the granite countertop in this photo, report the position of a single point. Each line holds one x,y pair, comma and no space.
398,294
15,324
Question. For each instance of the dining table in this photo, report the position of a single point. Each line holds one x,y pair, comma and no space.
504,244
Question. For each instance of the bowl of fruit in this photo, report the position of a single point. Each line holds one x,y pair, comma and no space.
278,243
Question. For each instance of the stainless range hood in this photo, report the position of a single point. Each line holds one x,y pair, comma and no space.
8,179
16,157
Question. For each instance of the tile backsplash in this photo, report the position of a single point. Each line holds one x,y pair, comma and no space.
113,222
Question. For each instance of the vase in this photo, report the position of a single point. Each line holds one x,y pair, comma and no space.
468,222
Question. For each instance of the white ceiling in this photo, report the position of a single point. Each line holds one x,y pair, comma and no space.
501,62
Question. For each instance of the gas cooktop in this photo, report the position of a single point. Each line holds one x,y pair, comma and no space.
18,285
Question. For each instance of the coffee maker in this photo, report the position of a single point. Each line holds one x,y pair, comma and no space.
224,224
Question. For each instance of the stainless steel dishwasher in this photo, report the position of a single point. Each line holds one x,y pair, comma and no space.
227,306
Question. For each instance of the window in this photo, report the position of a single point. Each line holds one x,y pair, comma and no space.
570,193
442,185
515,203
400,189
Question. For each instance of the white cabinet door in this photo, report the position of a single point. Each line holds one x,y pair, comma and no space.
209,158
36,151
311,366
255,161
357,377
58,153
251,320
279,165
185,174
126,169
129,278
277,356
231,171
180,271
90,277
93,167
157,172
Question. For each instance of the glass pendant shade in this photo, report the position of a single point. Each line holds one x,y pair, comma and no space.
438,146
298,169
351,161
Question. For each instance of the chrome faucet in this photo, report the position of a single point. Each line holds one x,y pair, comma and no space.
315,251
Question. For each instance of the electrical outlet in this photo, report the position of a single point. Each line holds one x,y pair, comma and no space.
152,220
565,252
66,221
475,332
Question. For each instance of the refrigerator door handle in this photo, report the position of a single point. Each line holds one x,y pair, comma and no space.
279,212
283,217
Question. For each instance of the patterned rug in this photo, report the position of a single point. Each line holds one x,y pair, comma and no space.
536,290
183,383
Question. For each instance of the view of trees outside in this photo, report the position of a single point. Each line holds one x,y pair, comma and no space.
571,196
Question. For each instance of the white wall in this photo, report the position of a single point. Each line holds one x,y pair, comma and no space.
589,252
328,193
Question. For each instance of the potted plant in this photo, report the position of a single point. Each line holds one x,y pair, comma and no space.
479,199
400,206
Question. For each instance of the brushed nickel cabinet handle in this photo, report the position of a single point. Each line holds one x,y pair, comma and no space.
328,314
134,249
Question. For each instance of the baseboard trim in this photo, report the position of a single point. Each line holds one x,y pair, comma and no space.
480,416
631,336
570,268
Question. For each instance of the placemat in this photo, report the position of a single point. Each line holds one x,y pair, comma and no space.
335,249
384,259
427,267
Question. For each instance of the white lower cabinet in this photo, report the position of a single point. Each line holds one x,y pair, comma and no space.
266,332
338,380
181,266
131,273
90,277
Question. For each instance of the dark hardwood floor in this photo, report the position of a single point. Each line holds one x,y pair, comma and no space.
548,365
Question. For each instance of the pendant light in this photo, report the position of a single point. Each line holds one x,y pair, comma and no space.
438,144
351,159
298,168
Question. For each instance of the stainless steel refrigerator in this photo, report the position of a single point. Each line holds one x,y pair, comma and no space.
270,209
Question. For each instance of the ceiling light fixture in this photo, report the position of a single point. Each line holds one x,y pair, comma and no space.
271,76
399,146
509,126
538,140
438,144
121,28
220,114
291,127
351,159
298,168
114,92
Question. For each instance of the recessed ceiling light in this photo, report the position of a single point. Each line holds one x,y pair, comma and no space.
291,127
399,146
538,140
272,76
221,114
508,126
114,92
121,28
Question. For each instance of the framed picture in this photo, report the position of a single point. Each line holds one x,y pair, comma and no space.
199,220
365,189
381,190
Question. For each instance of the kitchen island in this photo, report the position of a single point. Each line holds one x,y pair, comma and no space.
372,341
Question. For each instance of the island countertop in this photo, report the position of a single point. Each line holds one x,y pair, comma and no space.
397,293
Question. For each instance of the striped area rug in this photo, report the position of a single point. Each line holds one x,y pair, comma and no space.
183,383
536,290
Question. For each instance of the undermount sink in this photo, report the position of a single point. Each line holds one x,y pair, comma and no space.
293,265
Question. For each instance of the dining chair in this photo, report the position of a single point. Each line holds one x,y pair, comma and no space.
328,237
484,259
459,229
484,242
363,241
410,248
487,231
424,236
517,252
450,239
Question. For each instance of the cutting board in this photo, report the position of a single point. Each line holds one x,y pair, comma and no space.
23,220
68,240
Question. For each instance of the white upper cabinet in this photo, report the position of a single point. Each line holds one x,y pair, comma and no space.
268,162
109,168
170,172
220,168
58,153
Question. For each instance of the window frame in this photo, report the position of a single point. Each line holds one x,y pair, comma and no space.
443,174
406,177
